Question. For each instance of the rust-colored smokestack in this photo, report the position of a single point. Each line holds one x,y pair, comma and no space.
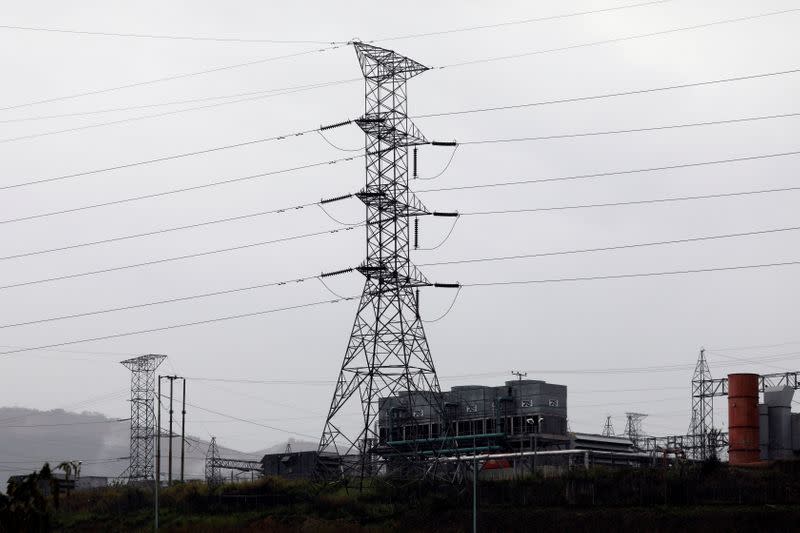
743,419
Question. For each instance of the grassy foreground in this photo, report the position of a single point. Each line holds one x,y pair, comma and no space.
687,498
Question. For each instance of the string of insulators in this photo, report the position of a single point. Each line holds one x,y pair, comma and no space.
445,214
447,285
336,198
415,162
417,306
335,273
416,233
444,143
337,125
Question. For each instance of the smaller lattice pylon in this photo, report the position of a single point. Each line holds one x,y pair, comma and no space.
143,415
212,473
633,428
608,428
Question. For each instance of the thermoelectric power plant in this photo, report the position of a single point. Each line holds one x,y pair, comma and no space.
761,431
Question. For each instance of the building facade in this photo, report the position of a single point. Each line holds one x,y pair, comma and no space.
521,414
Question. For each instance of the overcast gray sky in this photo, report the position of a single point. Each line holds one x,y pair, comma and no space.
554,331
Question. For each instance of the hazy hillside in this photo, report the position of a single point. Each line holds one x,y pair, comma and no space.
29,437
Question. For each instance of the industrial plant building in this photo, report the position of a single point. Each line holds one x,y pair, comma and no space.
521,415
766,431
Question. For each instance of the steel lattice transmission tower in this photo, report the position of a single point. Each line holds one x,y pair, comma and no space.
212,473
608,428
143,415
633,428
387,354
701,426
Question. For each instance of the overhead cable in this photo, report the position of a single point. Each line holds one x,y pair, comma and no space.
630,130
608,95
280,90
161,159
177,258
179,190
612,173
631,202
349,298
253,422
180,325
170,78
515,22
610,248
159,115
632,275
162,36
155,232
619,39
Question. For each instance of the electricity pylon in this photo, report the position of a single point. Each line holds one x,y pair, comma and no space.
633,428
143,415
388,354
701,426
608,428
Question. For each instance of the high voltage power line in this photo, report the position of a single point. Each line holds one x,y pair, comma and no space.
514,22
631,275
607,95
333,46
330,42
164,113
350,298
161,302
439,263
177,258
158,231
302,206
168,78
353,226
458,64
282,90
610,173
181,190
251,142
181,325
457,112
618,39
162,36
610,248
629,130
631,202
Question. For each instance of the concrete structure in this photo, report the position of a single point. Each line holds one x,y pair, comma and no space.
520,415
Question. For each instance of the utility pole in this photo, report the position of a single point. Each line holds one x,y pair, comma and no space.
474,487
388,353
183,428
169,461
157,477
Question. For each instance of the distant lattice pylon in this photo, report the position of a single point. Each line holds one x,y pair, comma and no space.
212,472
633,427
608,428
143,416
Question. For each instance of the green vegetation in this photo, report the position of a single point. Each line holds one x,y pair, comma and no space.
712,497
